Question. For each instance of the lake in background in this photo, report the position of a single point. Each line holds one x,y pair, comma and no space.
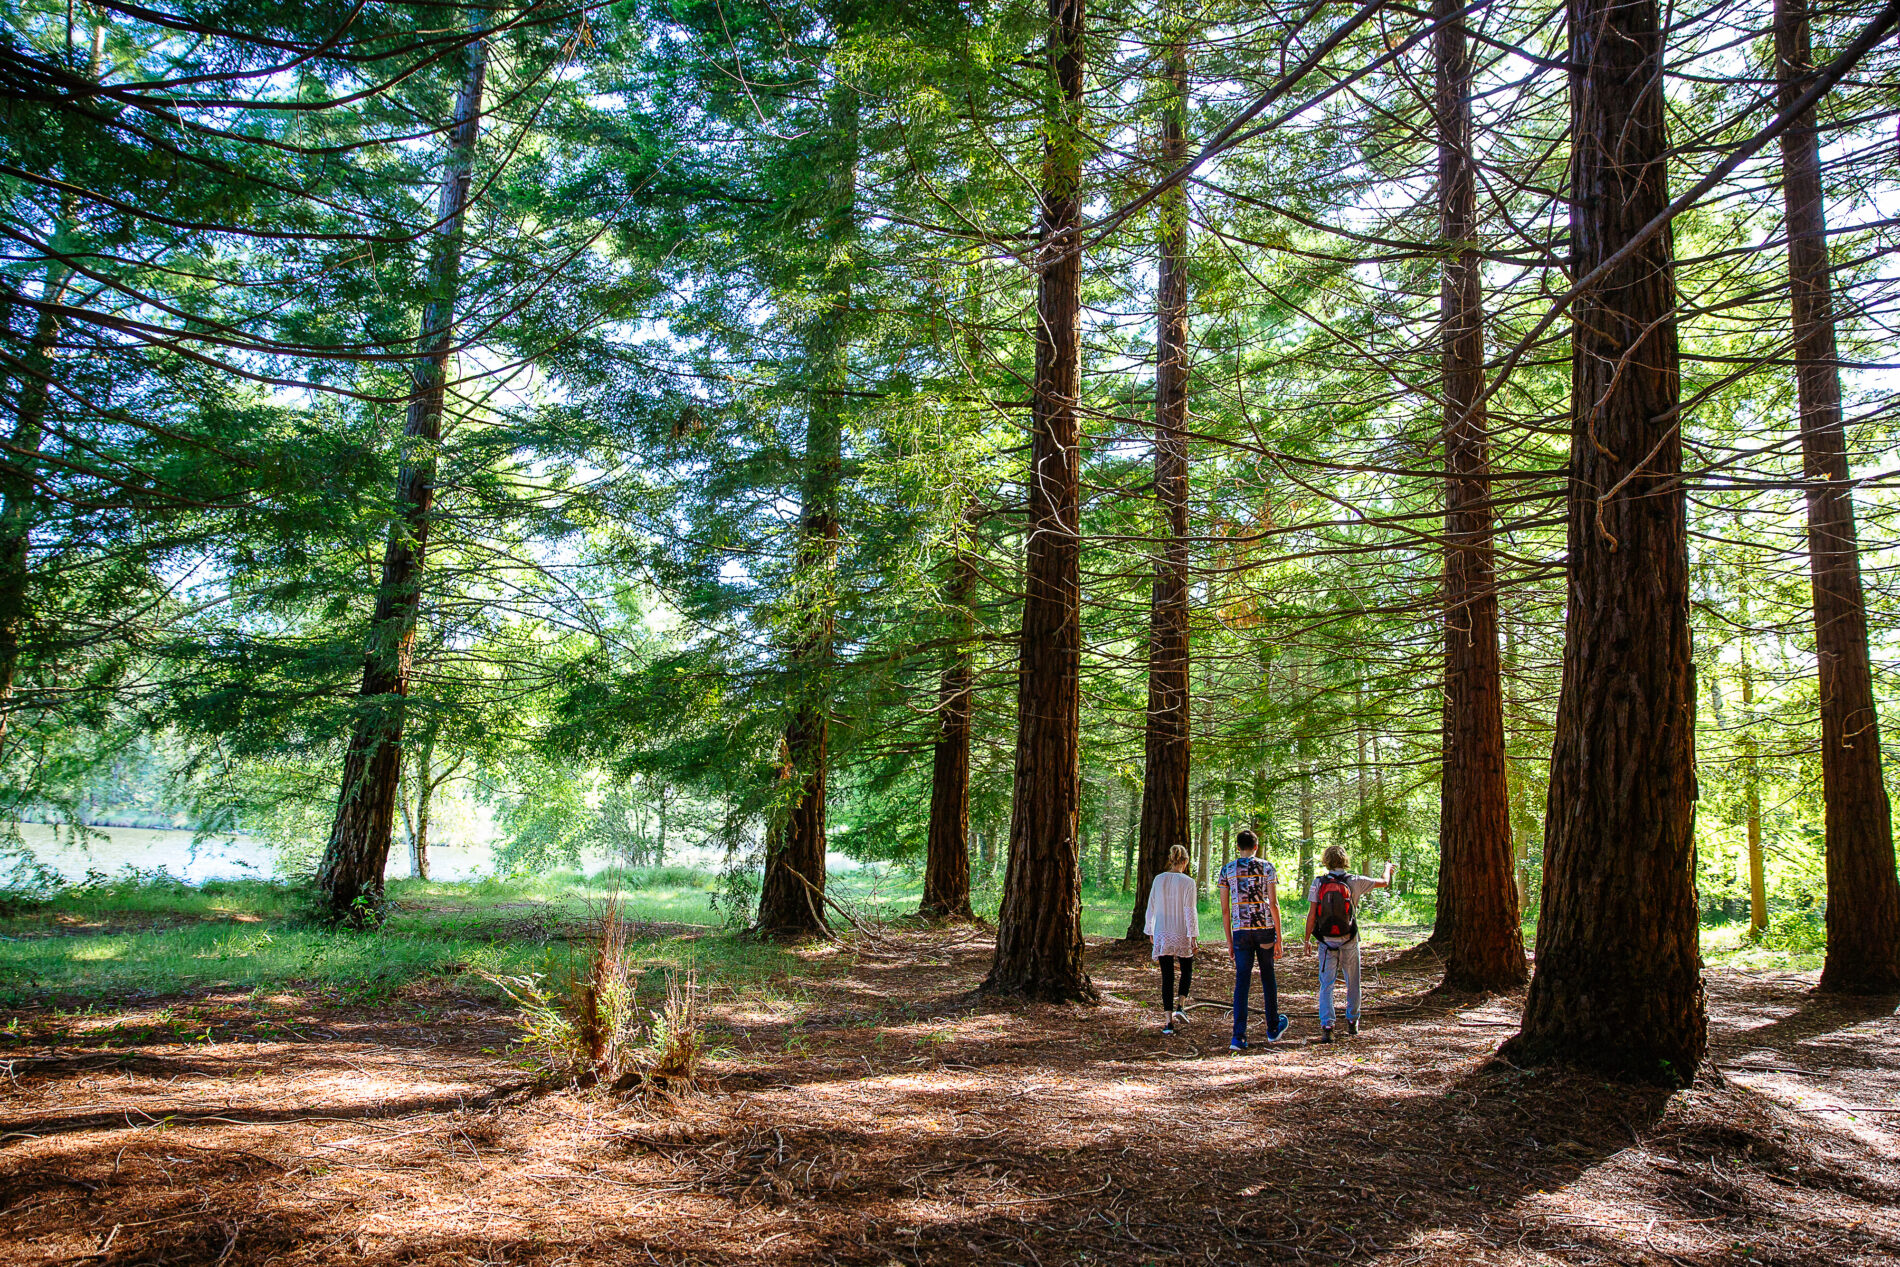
239,857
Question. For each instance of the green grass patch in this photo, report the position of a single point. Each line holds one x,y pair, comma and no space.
141,937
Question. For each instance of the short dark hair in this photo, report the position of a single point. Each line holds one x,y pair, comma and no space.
1246,840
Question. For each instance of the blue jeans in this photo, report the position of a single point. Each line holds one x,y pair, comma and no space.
1252,944
1331,960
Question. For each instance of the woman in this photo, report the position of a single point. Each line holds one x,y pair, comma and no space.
1174,921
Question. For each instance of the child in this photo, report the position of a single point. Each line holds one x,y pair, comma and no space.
1250,911
1174,921
1332,911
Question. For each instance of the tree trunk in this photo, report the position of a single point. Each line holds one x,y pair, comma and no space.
34,374
792,892
1618,985
425,793
1204,881
1039,946
946,846
351,873
1305,876
1164,793
1483,944
1863,897
18,501
1751,771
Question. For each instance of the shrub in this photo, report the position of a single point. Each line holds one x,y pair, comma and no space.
589,1028
1801,930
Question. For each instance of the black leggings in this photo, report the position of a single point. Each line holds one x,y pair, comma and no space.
1167,979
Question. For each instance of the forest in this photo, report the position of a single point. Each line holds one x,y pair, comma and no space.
822,509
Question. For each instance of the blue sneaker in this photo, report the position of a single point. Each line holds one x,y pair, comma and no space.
1280,1026
1234,1049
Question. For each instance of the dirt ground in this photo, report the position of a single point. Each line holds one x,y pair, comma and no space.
872,1110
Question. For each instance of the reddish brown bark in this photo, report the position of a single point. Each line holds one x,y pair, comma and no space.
1039,948
350,875
1164,793
946,845
1477,899
1863,897
1618,985
791,896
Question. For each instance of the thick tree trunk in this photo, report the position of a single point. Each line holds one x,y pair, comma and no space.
18,501
1164,793
1039,948
1483,944
946,845
1619,977
1863,897
350,875
791,895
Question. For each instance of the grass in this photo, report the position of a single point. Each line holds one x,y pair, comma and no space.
142,937
150,936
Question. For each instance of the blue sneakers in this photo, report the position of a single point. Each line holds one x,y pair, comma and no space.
1280,1026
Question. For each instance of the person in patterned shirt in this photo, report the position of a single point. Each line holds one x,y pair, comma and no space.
1250,910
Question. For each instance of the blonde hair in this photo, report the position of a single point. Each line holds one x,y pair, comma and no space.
1334,858
1178,858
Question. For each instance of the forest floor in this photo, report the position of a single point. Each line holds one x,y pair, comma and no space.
872,1109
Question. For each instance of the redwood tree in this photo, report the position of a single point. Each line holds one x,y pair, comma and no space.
1619,975
1164,791
350,875
1477,909
946,844
1039,948
791,897
1863,898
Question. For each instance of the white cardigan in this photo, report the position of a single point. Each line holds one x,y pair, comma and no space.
1174,915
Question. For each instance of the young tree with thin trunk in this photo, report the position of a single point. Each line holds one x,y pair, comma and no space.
1618,985
1482,942
946,844
1039,947
1164,793
1863,896
350,875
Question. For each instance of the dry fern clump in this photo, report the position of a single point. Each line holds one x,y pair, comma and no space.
591,1028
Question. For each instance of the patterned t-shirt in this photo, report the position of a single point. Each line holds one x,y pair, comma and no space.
1247,881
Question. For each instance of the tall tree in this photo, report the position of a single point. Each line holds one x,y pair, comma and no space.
350,875
790,896
1483,945
1164,793
1863,896
1039,947
946,843
1619,974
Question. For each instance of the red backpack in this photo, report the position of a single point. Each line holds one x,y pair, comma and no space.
1334,917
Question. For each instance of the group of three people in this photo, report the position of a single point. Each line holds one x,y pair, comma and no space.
1250,914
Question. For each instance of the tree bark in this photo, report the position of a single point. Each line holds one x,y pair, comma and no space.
350,875
18,501
1863,896
791,895
1164,793
1618,986
946,846
425,794
1039,948
1483,944
1751,771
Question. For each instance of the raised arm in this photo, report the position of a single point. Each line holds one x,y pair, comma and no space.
1391,869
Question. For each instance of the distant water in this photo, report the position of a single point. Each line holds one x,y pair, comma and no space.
240,857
